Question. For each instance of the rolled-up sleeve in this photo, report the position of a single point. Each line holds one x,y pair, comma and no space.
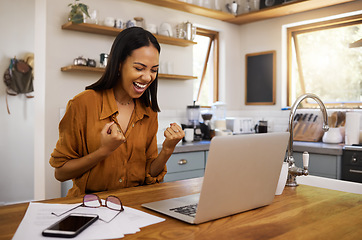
68,144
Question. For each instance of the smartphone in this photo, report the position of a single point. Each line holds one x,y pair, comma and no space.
70,226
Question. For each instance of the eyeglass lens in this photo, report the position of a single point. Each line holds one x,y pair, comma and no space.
114,203
91,200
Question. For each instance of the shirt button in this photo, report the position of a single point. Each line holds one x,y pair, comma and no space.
120,180
132,125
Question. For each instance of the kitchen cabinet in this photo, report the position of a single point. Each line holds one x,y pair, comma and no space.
325,159
185,165
321,165
291,7
111,31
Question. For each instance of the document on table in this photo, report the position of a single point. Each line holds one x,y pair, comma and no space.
38,217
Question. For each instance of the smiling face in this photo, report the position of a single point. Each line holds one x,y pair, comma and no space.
137,72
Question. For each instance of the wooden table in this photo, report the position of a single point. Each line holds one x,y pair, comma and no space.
303,212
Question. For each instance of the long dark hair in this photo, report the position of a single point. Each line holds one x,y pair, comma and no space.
125,43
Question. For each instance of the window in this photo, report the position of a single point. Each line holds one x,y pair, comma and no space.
206,66
323,59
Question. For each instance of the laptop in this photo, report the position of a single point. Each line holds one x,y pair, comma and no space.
242,173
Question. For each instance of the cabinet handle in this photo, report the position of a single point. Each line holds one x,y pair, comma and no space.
182,162
355,171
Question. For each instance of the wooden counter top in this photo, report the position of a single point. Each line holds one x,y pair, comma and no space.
304,212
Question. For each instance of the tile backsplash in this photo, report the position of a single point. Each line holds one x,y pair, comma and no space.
278,120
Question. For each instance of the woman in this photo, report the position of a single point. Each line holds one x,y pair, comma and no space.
107,137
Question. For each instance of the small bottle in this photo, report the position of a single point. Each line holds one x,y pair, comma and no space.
140,22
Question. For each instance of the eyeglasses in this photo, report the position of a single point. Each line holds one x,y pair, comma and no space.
93,201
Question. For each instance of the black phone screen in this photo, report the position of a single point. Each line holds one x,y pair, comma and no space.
70,226
72,223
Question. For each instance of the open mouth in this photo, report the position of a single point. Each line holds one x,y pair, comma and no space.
139,87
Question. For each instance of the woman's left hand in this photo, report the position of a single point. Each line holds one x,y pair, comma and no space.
173,135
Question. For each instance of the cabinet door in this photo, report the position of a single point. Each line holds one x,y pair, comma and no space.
183,175
319,164
206,156
185,165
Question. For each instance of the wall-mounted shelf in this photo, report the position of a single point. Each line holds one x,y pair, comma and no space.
111,31
288,8
75,68
175,77
190,8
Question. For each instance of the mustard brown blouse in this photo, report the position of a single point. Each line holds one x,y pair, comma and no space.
79,135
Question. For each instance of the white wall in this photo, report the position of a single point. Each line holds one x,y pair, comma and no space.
55,48
17,129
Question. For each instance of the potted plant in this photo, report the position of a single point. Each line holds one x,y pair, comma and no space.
77,11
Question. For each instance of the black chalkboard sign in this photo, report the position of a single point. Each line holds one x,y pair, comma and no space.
260,78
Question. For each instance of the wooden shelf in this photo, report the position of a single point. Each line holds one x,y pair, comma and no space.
111,31
75,68
175,77
288,8
284,10
190,8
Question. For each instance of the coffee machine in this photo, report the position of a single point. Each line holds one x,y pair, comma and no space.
206,129
193,116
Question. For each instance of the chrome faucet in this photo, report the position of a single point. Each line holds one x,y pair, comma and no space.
293,170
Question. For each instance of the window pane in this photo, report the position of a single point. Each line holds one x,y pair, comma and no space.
331,69
199,57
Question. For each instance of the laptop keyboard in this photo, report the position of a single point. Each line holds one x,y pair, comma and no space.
189,210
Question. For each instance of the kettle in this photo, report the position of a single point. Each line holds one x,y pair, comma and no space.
190,31
232,7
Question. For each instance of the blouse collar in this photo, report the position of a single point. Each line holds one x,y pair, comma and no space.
109,106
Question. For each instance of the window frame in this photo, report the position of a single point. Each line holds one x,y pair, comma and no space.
316,26
214,39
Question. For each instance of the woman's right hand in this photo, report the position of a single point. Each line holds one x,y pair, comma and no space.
111,138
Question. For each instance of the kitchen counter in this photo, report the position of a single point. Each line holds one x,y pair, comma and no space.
196,146
303,212
318,148
311,147
193,146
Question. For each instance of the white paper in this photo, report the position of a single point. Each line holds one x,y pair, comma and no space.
38,217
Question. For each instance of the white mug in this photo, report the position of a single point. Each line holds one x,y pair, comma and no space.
165,29
152,28
189,134
109,21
